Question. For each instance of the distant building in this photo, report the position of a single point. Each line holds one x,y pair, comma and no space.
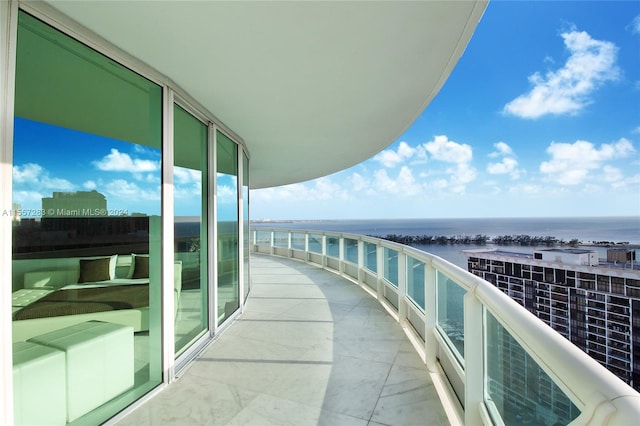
593,303
15,212
75,204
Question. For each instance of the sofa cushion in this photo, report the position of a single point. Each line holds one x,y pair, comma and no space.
100,269
94,270
139,266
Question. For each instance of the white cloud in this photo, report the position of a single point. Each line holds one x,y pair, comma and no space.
322,189
28,198
501,149
184,176
613,176
635,25
26,173
226,194
35,176
443,149
117,161
90,185
360,184
570,164
507,165
404,185
120,188
461,175
568,89
390,158
459,155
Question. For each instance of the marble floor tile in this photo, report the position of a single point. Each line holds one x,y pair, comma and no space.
311,349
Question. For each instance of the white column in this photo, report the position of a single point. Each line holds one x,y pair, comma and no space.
240,204
8,31
167,225
430,313
402,287
212,229
473,359
380,269
341,255
361,255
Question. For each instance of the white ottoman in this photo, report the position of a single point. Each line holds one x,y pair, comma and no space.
39,385
99,362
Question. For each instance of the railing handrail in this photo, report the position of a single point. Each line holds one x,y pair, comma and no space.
600,395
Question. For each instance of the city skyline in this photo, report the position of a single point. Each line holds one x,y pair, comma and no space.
535,120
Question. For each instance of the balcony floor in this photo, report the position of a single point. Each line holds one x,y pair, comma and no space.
311,349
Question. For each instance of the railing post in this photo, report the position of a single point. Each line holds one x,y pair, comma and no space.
380,271
341,255
289,246
272,243
473,358
306,247
430,314
324,250
402,287
360,262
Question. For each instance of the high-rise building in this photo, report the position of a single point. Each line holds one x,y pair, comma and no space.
75,204
594,303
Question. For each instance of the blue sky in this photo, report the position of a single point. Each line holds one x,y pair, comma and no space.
541,117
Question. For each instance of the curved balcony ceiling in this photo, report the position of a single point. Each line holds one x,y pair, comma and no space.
311,87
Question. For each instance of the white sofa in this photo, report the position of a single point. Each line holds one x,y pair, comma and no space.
39,283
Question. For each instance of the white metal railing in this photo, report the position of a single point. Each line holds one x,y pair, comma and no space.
501,363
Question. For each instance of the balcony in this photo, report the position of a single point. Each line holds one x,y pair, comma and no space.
311,348
351,329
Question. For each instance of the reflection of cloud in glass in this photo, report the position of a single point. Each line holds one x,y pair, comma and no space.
183,175
33,175
227,197
117,161
188,190
123,189
28,199
226,194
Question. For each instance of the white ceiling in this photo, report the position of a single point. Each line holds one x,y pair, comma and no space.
311,87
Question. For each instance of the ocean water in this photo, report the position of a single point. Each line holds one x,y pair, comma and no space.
586,229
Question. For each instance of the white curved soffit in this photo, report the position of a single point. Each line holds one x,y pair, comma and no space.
311,87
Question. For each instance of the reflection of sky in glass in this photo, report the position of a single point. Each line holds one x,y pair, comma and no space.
51,159
187,191
227,197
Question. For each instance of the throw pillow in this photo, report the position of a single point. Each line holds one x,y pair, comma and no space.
92,270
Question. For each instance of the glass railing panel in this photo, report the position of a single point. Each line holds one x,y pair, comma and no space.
263,238
371,257
281,239
450,318
333,247
297,241
516,387
351,250
415,281
391,266
315,243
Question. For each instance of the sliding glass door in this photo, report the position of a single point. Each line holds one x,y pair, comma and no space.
190,228
228,227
